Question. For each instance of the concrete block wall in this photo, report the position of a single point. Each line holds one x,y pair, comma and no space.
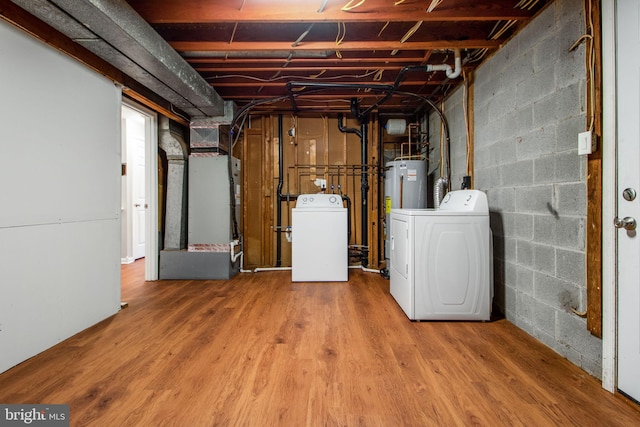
529,108
453,110
454,113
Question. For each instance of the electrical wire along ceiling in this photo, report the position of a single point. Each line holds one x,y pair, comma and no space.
319,55
323,56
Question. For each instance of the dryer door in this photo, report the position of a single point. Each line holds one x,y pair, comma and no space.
452,281
401,283
400,245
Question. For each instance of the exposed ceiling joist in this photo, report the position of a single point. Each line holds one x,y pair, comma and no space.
296,11
204,46
248,50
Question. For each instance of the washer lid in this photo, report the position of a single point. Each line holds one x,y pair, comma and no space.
465,201
320,200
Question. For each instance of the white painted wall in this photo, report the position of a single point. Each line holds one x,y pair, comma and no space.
60,197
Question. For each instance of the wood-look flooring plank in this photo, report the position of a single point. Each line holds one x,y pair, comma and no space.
259,350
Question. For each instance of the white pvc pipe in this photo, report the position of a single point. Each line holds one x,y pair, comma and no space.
232,245
369,270
256,270
235,256
242,270
450,72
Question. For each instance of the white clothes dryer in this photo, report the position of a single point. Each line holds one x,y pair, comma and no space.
441,259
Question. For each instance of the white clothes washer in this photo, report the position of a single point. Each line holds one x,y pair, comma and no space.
319,240
441,259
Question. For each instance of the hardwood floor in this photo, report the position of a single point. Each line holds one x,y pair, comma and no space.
259,350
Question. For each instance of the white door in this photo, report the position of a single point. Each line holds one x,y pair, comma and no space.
138,196
628,108
134,134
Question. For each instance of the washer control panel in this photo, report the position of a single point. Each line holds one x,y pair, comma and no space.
319,201
465,201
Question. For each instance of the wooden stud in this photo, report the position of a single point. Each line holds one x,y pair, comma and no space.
594,186
471,122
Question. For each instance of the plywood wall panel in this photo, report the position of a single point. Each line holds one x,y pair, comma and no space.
315,149
253,198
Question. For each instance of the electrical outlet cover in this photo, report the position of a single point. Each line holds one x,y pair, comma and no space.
584,143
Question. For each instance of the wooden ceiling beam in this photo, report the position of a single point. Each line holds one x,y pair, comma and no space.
208,11
415,58
281,84
332,98
245,70
214,46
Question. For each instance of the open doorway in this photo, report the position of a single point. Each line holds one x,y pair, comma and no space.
139,204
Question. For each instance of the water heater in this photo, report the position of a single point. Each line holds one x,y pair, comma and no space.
405,187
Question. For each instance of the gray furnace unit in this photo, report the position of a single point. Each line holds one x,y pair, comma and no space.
210,218
213,198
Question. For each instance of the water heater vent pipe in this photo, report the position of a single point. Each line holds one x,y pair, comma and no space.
450,72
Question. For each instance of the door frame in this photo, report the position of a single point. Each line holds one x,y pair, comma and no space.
129,178
609,199
151,188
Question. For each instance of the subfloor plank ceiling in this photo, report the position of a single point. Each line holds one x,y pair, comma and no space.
320,56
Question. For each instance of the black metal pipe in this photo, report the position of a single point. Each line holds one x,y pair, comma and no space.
391,91
344,129
292,98
346,198
363,133
364,187
355,107
279,191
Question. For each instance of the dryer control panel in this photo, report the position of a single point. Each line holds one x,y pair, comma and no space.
465,201
320,200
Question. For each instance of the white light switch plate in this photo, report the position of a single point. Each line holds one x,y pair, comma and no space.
584,143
